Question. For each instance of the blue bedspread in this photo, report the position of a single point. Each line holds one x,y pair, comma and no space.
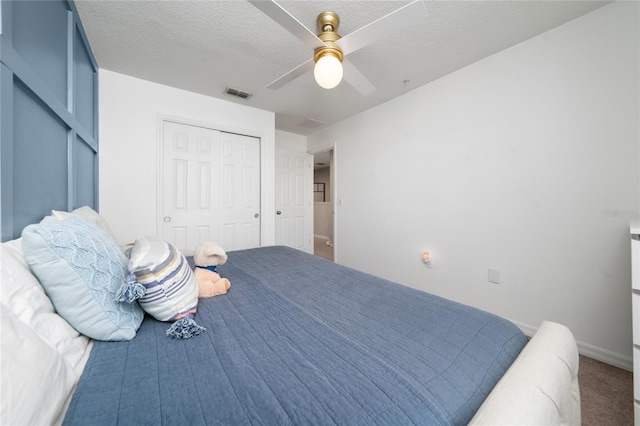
300,340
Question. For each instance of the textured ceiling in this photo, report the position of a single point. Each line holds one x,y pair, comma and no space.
206,46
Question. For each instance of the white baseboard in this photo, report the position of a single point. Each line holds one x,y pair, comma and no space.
604,355
591,351
526,329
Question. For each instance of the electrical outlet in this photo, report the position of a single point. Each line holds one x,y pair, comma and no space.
494,276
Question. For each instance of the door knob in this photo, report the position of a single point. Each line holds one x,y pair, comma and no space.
167,219
256,215
278,212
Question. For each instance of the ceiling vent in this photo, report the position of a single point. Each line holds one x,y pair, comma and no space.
310,123
237,93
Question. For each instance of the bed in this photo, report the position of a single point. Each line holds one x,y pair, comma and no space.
296,340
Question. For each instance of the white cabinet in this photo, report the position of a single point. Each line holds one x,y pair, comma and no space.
635,296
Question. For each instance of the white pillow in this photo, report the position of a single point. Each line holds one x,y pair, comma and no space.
36,380
86,213
25,298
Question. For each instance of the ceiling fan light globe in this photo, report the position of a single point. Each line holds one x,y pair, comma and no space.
328,71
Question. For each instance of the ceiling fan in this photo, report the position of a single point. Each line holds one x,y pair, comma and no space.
330,50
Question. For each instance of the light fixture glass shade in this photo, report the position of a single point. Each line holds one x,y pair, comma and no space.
328,71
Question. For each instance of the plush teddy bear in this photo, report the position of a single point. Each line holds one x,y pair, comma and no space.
207,257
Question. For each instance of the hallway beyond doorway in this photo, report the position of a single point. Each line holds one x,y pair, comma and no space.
321,249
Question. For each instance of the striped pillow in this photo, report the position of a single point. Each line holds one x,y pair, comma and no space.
171,291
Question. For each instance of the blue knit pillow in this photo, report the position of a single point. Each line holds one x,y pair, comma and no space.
81,268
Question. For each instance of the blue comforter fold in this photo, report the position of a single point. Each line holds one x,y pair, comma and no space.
300,340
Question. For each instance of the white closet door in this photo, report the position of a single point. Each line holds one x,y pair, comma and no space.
199,192
240,207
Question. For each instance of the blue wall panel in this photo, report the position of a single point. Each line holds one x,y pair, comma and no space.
85,161
48,113
40,38
38,179
84,94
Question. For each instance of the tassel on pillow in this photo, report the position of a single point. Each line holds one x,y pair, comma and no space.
130,291
185,328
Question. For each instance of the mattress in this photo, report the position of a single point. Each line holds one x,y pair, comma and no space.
301,340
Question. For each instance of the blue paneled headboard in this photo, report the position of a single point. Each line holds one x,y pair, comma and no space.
48,113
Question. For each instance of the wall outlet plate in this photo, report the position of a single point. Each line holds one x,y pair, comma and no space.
494,276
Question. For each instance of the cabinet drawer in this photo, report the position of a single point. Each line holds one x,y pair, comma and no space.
635,317
636,373
635,264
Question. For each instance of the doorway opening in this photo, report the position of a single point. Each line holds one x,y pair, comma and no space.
323,202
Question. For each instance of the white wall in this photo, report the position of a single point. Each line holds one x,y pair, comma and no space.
526,161
130,112
291,141
322,220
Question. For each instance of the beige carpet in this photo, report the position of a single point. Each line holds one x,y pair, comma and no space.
606,394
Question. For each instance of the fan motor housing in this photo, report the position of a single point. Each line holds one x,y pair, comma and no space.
328,24
328,19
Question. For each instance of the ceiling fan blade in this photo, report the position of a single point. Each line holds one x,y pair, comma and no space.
384,27
292,75
274,11
356,78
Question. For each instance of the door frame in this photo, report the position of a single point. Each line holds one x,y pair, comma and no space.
162,118
334,196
